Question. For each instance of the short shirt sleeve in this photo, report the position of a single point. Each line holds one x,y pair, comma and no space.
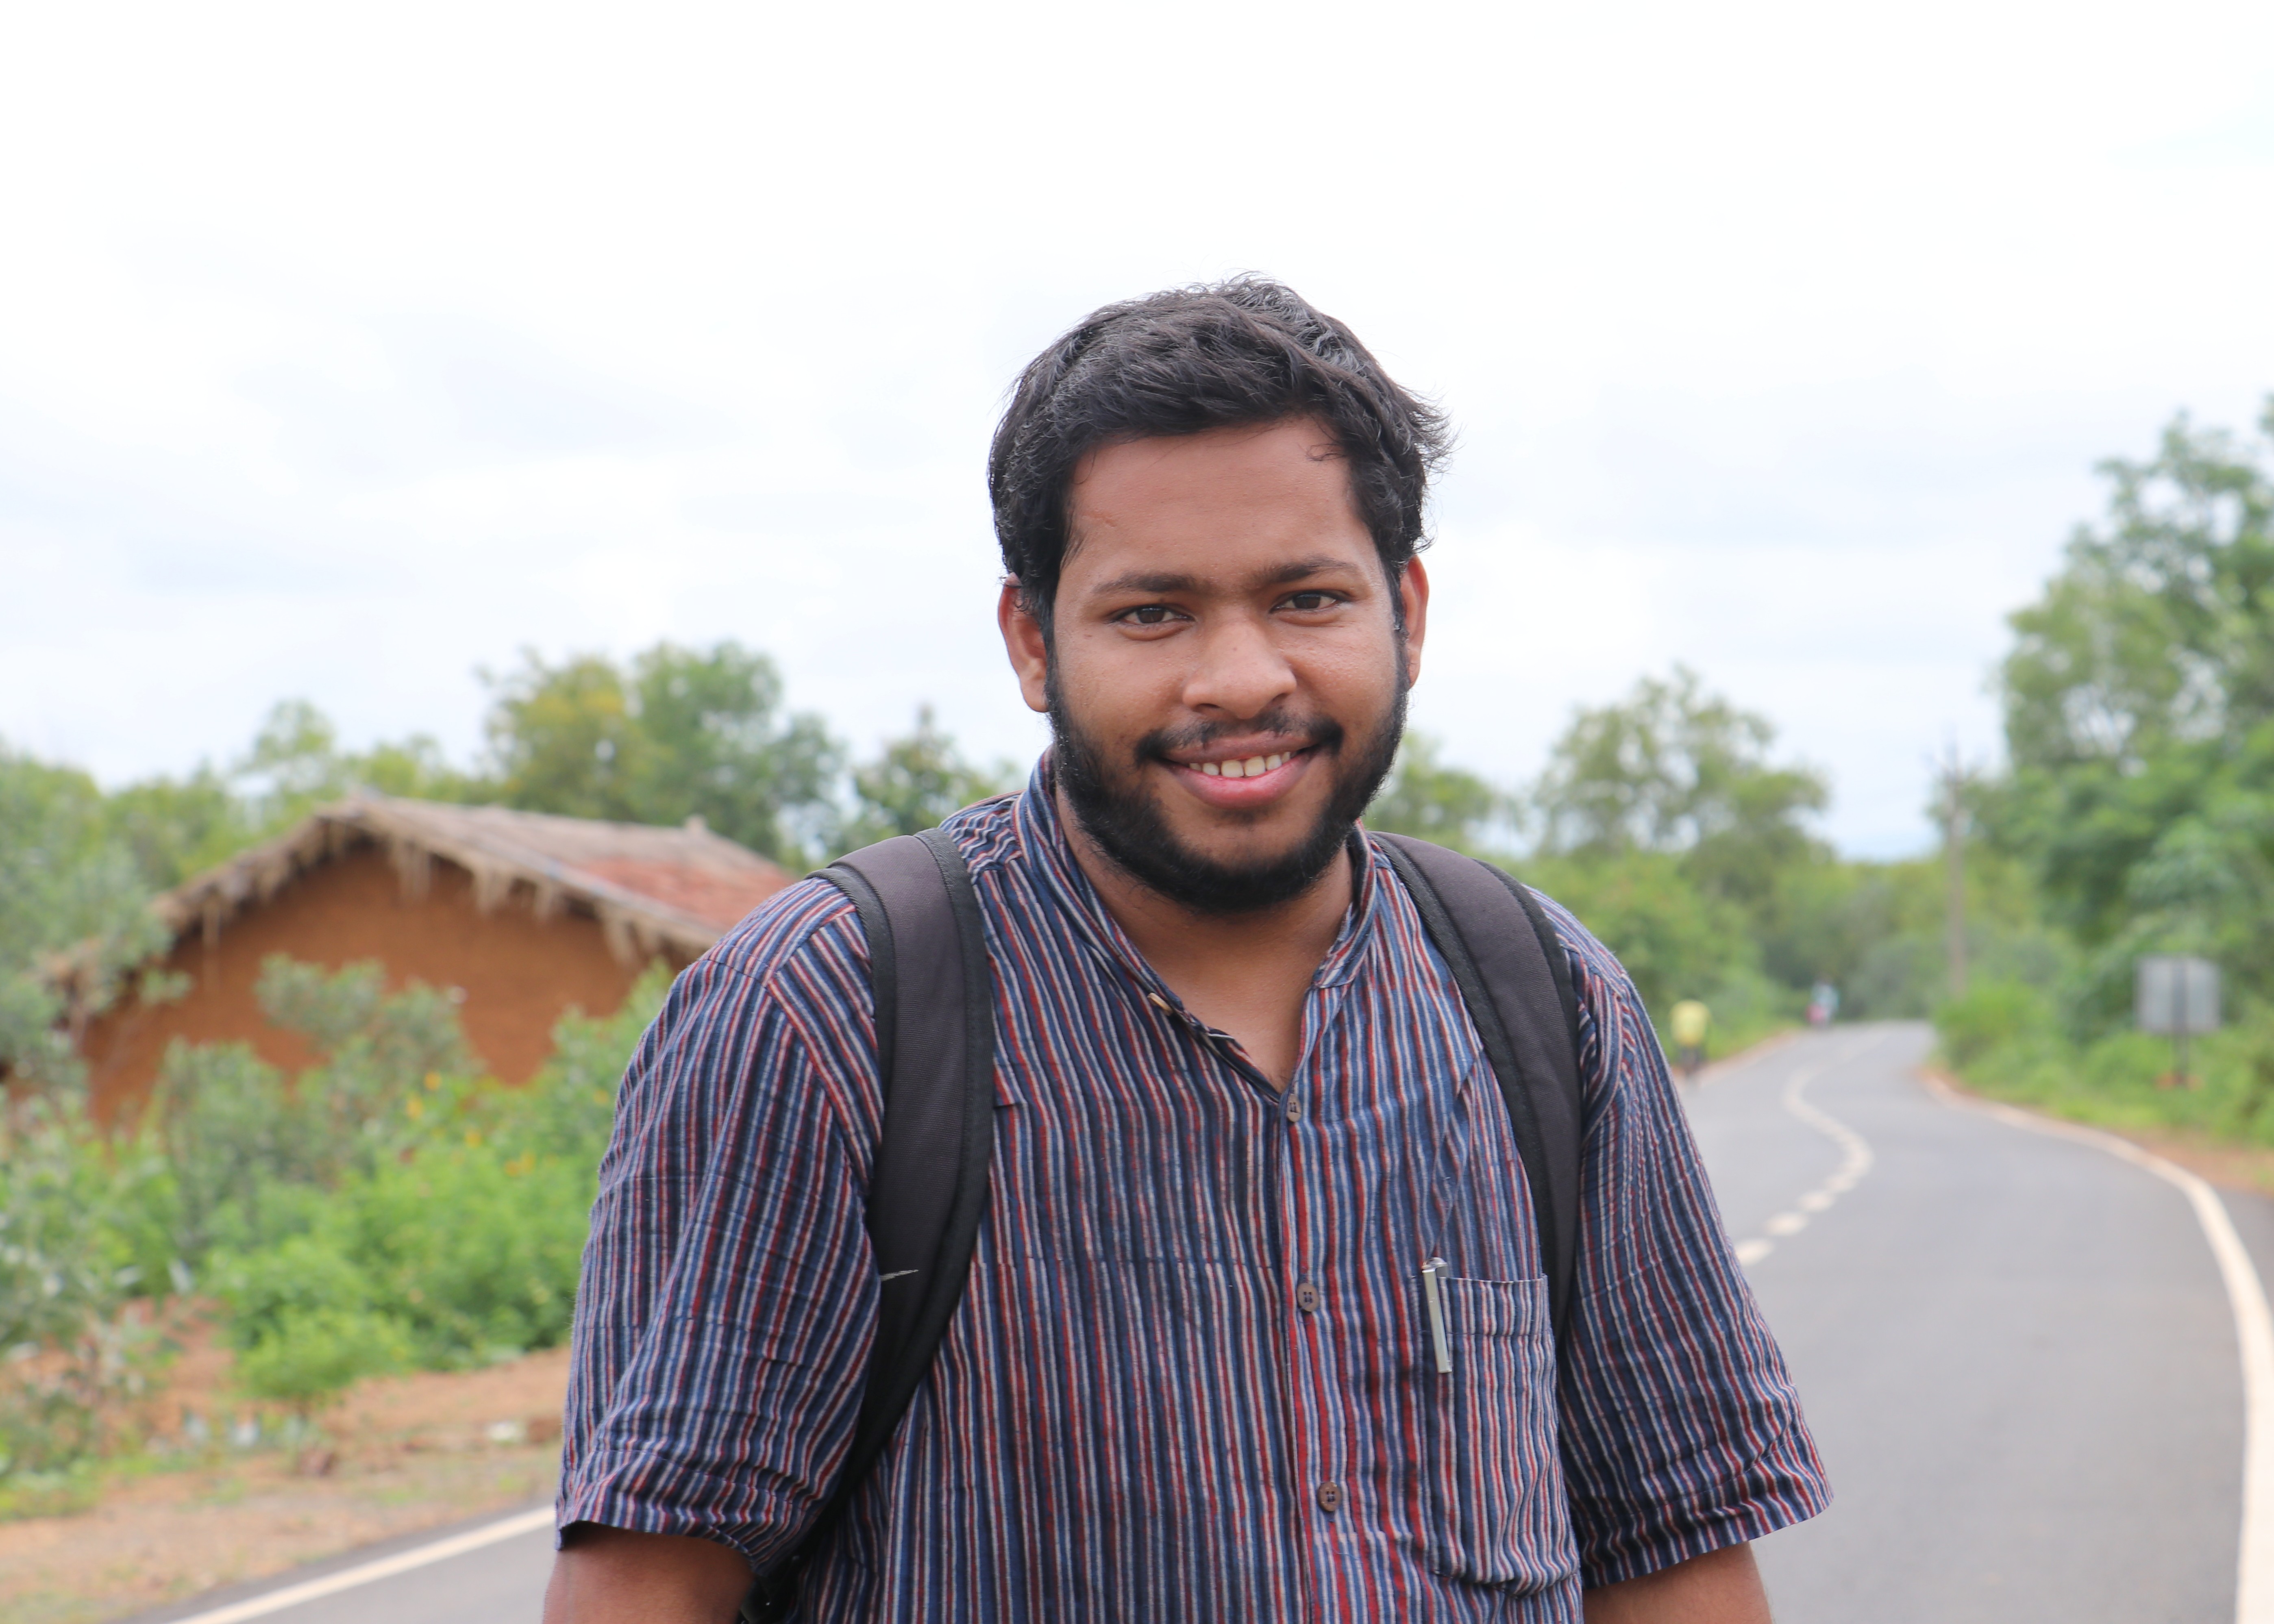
1683,1432
728,1299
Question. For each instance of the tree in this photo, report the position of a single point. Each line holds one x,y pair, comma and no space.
915,782
1675,941
1674,769
2158,631
2139,702
67,887
177,827
1426,798
712,748
564,737
684,734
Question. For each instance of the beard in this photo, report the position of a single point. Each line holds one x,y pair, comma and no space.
1124,818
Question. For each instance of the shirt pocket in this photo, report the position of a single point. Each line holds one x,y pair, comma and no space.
1496,1497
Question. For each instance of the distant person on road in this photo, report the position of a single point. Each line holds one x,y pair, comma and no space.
1258,1325
1688,1020
1823,1004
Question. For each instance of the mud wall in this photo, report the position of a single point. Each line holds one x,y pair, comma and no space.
518,973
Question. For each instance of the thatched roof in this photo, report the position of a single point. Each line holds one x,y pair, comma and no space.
652,889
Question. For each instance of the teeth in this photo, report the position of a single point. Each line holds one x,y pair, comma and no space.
1254,766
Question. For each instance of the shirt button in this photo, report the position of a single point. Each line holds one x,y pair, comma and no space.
1294,1109
1306,1297
1330,1497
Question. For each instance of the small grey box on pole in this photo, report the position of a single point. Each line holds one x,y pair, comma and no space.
2180,996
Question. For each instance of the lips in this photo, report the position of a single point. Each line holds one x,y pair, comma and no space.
1244,783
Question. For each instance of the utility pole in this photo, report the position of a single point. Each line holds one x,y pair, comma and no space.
1953,860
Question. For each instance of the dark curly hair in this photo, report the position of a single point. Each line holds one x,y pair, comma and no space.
1230,353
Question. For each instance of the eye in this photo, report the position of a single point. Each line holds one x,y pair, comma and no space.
1310,603
1147,614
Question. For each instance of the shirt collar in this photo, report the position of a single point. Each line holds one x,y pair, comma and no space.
1045,846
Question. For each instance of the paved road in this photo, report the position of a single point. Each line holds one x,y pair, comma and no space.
2015,1350
498,1582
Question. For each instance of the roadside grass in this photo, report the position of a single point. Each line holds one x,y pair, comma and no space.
2004,1040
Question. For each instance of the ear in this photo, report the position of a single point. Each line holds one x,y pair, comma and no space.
1413,593
1023,641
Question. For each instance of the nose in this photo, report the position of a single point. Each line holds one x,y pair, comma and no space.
1240,673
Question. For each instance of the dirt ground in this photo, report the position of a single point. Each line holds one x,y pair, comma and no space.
402,1454
2240,1167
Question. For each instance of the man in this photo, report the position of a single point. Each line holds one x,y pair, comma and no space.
1690,1020
1238,1104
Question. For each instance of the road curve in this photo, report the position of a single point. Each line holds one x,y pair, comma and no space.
2016,1351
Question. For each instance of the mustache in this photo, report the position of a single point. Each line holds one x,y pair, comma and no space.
1316,733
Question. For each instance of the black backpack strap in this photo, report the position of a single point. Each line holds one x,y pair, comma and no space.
1514,977
934,1005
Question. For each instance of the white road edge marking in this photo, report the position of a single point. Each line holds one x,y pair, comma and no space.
2254,1331
1854,1162
385,1567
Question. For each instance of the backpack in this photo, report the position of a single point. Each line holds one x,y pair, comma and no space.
935,1016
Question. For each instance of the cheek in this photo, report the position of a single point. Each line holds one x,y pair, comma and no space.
1359,677
1112,688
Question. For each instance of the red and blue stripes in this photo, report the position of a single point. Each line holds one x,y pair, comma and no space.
1192,1376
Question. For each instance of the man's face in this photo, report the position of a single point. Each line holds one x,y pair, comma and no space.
1225,672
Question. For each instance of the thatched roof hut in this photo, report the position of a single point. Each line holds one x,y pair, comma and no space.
524,914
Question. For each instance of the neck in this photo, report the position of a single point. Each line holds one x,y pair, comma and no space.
1183,945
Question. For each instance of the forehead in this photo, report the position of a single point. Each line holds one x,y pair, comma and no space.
1225,496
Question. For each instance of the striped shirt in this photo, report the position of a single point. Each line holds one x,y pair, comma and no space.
1192,1376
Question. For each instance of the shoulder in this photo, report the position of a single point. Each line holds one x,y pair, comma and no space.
1595,969
1619,1051
799,957
811,917
987,833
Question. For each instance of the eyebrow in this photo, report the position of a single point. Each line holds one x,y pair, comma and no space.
1171,580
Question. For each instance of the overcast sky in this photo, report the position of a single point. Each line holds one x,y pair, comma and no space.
346,350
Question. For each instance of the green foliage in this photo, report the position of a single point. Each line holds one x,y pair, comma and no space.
308,1357
67,887
1674,940
1663,823
296,765
1674,769
301,1325
714,749
1432,801
74,1348
2009,1041
915,782
245,1149
684,734
1993,1015
2139,702
175,828
458,1246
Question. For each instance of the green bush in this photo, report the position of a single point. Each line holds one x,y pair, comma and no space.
1991,1016
305,1358
384,1209
473,1250
464,1240
76,1349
